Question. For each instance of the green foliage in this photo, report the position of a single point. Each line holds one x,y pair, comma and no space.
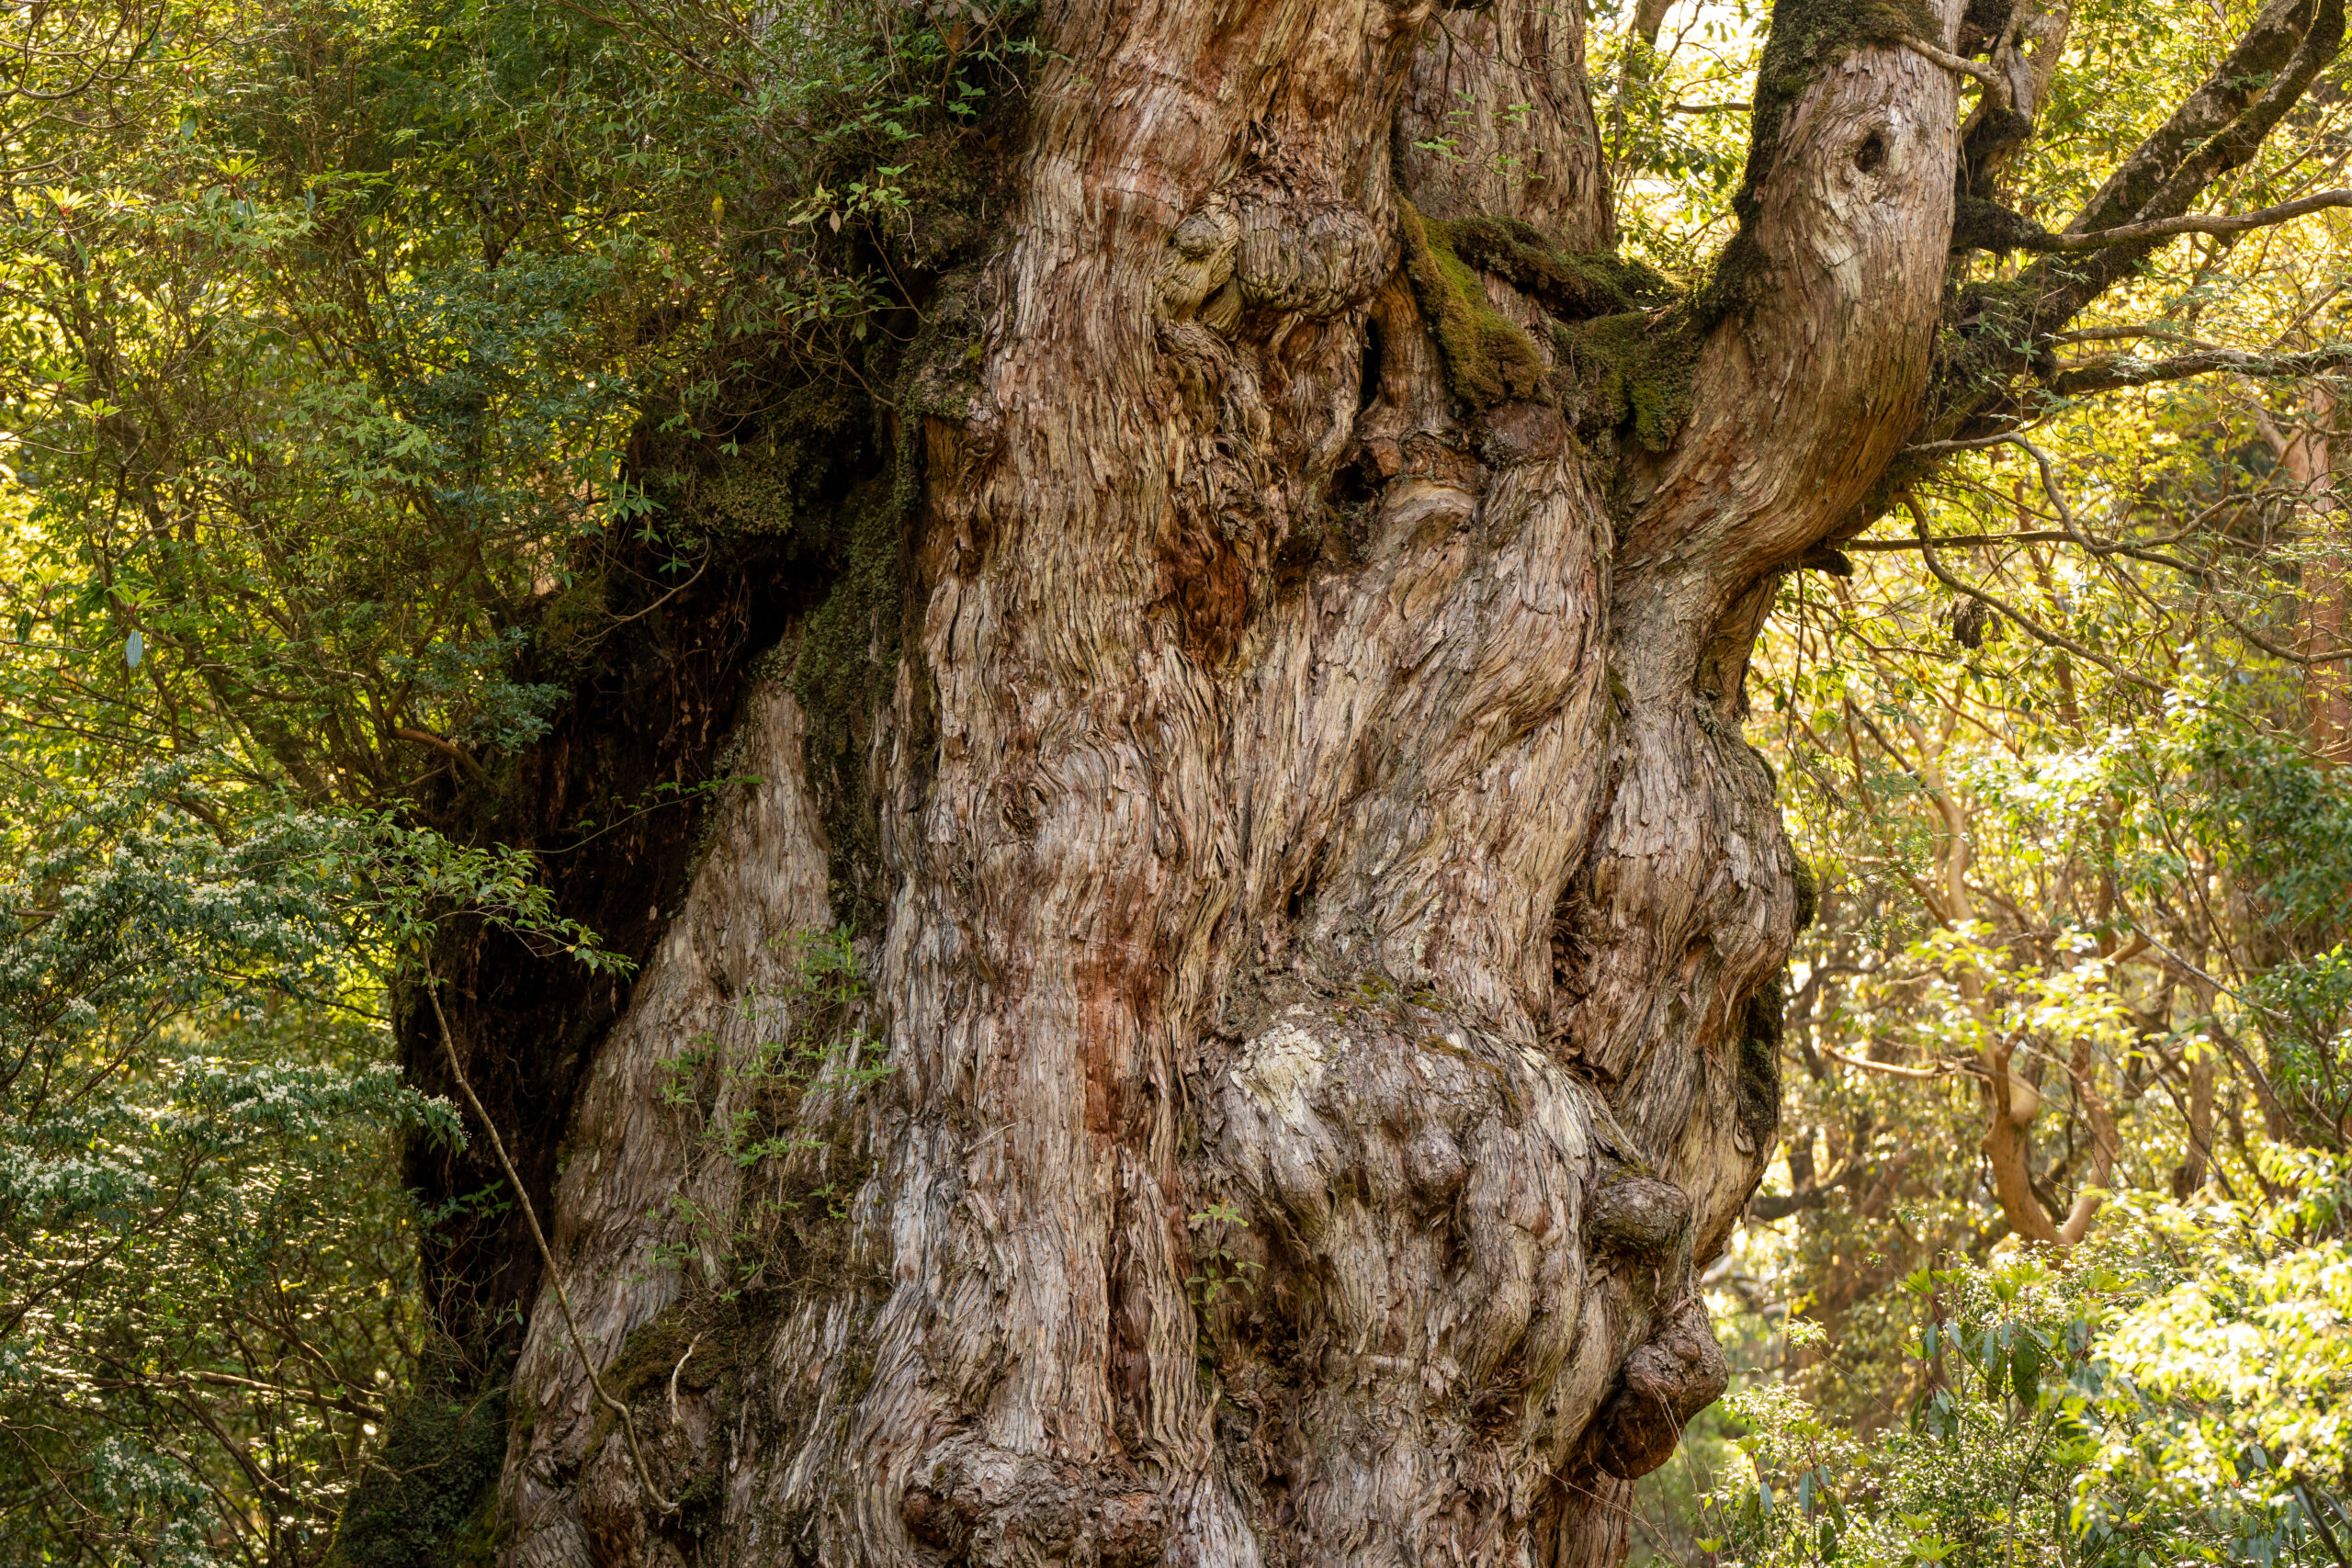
2278,820
770,1109
367,368
2176,1394
2227,1369
1219,1271
1677,126
200,1306
372,363
206,1260
2306,1003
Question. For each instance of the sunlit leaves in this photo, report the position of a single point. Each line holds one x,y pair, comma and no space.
2179,1390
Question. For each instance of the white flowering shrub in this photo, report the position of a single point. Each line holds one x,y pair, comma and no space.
207,1302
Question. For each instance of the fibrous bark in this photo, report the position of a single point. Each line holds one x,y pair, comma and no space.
1328,1001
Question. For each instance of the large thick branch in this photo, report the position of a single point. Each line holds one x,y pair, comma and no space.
2005,332
2218,130
2005,1152
1820,319
2104,1142
2271,56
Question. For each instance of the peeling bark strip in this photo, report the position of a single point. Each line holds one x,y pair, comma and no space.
1331,983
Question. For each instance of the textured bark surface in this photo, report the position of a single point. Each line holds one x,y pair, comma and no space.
1330,994
638,1173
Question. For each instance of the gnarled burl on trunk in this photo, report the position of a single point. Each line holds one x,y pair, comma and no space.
1318,994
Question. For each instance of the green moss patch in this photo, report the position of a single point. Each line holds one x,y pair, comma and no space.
1631,371
1981,225
714,1342
1625,356
1568,285
1808,893
429,1498
1488,360
709,1343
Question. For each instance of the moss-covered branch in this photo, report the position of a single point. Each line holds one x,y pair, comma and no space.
1487,358
1624,352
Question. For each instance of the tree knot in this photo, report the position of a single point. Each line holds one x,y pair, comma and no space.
1637,1213
990,1506
1670,1378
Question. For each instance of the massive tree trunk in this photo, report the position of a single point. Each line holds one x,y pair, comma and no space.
1324,1003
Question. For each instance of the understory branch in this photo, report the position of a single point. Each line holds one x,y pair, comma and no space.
2114,374
2161,228
2033,628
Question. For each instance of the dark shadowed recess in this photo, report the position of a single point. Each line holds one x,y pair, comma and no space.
612,799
